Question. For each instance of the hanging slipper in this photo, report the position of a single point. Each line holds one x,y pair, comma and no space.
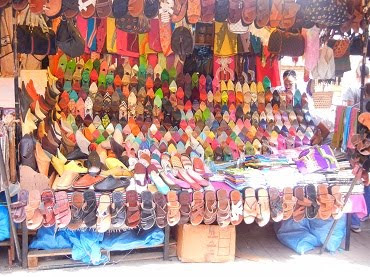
18,208
263,210
148,216
276,204
339,201
48,200
179,10
87,8
263,13
34,217
76,211
300,209
249,13
89,208
210,213
197,208
223,208
103,214
250,205
62,210
173,206
160,210
236,207
326,202
151,8
289,202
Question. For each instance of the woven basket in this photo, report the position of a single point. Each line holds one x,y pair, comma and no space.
322,100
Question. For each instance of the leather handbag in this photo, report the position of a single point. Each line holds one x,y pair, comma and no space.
326,12
69,39
286,44
34,36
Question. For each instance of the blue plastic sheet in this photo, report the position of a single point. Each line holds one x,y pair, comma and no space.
87,245
4,220
307,234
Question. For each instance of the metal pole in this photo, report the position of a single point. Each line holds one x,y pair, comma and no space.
5,181
354,181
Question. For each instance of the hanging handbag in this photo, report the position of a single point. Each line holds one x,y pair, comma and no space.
286,44
34,36
69,39
326,12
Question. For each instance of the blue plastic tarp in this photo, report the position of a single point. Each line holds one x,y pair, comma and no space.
87,245
308,234
4,219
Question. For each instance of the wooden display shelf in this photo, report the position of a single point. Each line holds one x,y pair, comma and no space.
61,258
9,244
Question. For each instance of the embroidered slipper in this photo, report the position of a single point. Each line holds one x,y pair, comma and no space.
87,8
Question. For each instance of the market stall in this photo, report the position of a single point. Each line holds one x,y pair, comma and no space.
138,116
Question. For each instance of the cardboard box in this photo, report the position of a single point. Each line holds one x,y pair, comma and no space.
205,243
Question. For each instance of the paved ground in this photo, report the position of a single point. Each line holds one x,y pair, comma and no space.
258,252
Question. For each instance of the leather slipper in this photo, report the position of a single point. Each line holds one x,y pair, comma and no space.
133,209
48,201
103,214
236,207
76,211
18,208
263,210
185,209
61,209
223,208
148,216
118,209
173,206
160,209
34,217
89,208
250,205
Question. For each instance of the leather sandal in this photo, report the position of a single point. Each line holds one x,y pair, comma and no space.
210,213
133,209
326,202
76,211
61,209
161,209
148,216
263,210
89,208
301,205
276,204
185,209
223,208
47,198
173,206
250,205
103,214
236,207
18,212
289,202
118,208
339,203
197,208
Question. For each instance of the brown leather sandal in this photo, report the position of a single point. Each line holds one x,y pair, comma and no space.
133,209
197,208
326,202
338,204
210,213
289,202
223,208
301,204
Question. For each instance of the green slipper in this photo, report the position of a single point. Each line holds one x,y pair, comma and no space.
100,139
158,101
194,80
89,65
172,72
96,65
206,114
143,60
62,63
165,76
159,93
85,80
109,79
102,80
266,83
71,66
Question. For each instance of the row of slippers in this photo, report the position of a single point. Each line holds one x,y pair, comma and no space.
233,11
145,210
